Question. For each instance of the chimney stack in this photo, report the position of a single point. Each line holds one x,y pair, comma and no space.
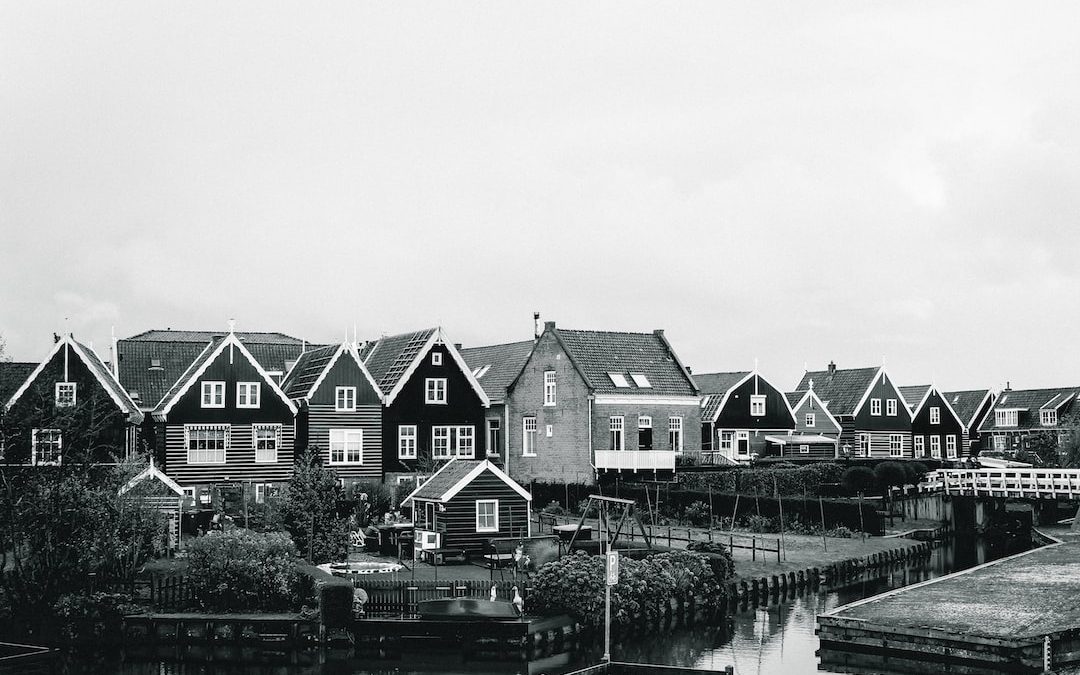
1008,386
536,325
457,346
832,367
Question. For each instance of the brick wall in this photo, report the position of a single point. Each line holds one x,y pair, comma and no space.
691,416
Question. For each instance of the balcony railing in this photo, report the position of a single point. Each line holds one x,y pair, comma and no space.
636,460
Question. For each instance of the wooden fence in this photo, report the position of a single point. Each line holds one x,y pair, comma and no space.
400,598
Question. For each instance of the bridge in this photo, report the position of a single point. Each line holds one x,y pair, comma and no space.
1006,482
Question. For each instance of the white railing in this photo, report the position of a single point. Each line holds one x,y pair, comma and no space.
635,460
1004,482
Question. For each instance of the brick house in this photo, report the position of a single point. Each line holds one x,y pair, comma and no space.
495,367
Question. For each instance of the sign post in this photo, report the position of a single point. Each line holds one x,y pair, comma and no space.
612,579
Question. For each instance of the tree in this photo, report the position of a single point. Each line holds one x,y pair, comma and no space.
1070,449
1044,446
857,479
313,510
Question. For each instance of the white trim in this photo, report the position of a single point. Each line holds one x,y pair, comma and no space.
453,432
484,466
988,395
214,385
727,395
436,358
154,472
899,395
258,395
944,399
227,442
477,504
74,394
345,440
417,489
34,446
428,391
415,441
653,399
524,431
439,336
345,346
821,406
344,389
554,384
276,427
757,400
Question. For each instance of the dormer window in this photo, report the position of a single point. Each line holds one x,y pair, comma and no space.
619,380
1006,418
155,364
935,415
1048,418
65,394
757,405
641,381
344,399
247,394
213,394
436,358
875,407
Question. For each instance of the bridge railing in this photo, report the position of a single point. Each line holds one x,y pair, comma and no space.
1004,482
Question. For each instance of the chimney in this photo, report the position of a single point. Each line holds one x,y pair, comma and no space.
832,368
536,325
1008,386
659,332
549,325
457,346
689,370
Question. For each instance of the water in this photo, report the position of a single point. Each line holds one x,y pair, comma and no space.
777,638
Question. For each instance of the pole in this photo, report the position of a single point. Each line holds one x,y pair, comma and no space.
821,507
861,526
710,512
780,502
607,593
735,513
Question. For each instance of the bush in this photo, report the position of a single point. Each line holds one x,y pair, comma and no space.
790,480
857,479
718,557
313,503
890,474
697,514
336,603
92,615
238,570
914,472
554,508
840,532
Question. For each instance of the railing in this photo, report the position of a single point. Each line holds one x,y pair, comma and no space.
635,460
1041,483
388,597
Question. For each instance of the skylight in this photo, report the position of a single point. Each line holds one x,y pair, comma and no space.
640,380
618,379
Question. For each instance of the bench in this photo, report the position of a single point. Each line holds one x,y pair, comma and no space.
442,556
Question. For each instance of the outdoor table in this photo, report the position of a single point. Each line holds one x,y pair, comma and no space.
566,532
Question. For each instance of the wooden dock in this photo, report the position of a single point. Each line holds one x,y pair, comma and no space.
1018,614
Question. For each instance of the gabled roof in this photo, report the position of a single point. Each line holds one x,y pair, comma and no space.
209,354
915,394
204,336
455,475
496,366
797,398
714,388
599,356
312,367
96,366
794,398
392,359
152,473
12,375
967,404
1032,401
928,389
840,390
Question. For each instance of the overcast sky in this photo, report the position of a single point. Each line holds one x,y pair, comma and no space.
792,182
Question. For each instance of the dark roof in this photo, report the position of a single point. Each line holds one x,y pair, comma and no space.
389,357
1034,400
966,403
840,390
496,366
204,336
713,387
176,386
914,394
105,376
307,370
597,353
448,477
12,376
793,397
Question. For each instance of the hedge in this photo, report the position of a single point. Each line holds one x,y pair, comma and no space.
336,603
240,570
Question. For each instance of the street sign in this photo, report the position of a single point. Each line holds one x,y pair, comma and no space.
612,568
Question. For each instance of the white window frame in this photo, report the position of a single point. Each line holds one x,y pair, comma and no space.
213,394
935,415
757,405
896,445
276,430
641,381
260,493
617,429
1006,418
727,441
528,436
891,407
875,407
950,446
644,422
344,399
675,434
37,443
1048,418
742,436
810,420
244,398
206,458
406,441
189,493
935,446
618,380
804,449
492,518
550,387
919,444
493,424
455,435
62,399
435,391
1000,442
436,358
864,445
348,446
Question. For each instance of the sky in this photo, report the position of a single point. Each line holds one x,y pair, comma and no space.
791,183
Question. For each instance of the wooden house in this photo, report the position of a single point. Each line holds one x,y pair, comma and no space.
817,433
70,408
972,406
1019,415
433,407
868,405
467,503
228,426
495,367
157,491
340,411
937,431
743,415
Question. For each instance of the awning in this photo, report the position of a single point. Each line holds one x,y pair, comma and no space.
815,439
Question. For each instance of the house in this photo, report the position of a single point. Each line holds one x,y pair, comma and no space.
873,414
340,411
12,375
465,504
433,407
153,489
972,406
937,431
1021,415
495,367
743,415
599,405
228,428
817,433
69,408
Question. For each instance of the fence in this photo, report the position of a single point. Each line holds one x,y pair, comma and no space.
400,598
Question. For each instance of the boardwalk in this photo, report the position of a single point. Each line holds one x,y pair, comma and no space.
1012,483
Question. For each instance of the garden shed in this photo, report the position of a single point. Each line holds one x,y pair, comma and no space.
156,490
464,505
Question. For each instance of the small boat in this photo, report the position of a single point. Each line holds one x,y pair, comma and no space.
467,609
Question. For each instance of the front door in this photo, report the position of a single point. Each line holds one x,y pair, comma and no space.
742,443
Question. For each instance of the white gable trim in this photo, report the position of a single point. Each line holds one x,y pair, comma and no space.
727,394
37,371
230,340
821,406
945,400
351,349
153,472
486,465
437,336
421,486
127,401
989,395
873,383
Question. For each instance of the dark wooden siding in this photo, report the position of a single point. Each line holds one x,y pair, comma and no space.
459,519
822,424
974,438
271,406
345,373
921,426
736,411
368,418
239,464
883,389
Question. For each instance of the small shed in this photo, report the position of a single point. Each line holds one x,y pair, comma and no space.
467,503
156,490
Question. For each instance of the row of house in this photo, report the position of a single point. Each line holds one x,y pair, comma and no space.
231,410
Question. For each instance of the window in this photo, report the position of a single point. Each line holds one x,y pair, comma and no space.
757,405
406,441
247,394
1000,442
864,445
494,436
189,494
890,407
935,447
528,436
896,445
1006,418
811,419
1047,417
619,380
804,449
742,443
644,433
347,446
435,388
727,439
447,442
950,446
260,493
344,399
549,387
641,381
206,443
436,358
920,446
46,446
875,406
65,394
615,424
266,438
935,415
674,425
213,394
487,515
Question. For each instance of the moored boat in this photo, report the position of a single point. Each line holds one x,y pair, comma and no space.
467,609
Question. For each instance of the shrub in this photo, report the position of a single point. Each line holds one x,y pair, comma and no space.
89,615
890,474
857,479
915,472
336,603
697,514
839,532
237,570
554,508
718,557
761,524
312,504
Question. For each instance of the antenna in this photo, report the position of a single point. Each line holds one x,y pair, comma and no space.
232,325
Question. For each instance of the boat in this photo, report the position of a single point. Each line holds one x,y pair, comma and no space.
467,609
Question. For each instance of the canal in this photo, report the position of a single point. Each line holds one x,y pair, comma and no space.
774,638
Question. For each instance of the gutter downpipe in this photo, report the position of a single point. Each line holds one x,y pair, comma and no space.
592,457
